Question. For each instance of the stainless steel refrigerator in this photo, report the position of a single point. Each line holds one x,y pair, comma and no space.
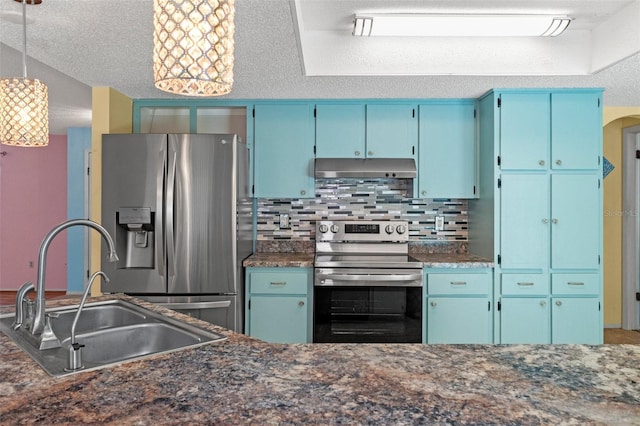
178,208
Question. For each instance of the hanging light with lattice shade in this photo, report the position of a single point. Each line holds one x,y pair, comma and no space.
24,104
193,46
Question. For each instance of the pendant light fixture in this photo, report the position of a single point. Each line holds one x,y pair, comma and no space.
24,105
193,46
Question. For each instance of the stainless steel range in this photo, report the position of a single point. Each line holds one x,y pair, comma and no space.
367,289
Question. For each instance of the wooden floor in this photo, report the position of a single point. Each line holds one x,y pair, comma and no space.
611,335
619,336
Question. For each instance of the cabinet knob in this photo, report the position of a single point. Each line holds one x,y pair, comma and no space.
541,162
545,220
558,162
303,192
558,303
357,153
424,193
301,303
554,220
543,303
370,153
433,304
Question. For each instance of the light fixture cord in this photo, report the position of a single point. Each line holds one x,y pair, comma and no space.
24,38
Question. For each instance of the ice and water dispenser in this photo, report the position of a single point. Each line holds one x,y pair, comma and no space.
135,237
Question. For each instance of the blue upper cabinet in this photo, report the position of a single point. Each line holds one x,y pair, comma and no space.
576,130
447,158
283,152
524,130
392,131
340,131
359,130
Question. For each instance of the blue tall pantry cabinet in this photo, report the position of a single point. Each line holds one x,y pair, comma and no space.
541,196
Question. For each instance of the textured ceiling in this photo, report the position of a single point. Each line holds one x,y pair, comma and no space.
76,44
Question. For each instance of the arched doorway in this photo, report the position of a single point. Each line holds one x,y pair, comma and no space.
619,239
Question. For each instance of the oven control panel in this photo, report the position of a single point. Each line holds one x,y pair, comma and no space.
362,230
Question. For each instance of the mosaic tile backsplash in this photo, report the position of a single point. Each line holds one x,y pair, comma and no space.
375,199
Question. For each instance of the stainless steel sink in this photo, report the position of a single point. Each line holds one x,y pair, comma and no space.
112,332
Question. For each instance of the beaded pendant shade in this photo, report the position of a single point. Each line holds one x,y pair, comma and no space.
24,105
193,46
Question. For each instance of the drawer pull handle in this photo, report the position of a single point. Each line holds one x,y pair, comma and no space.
575,283
558,303
525,284
278,283
433,304
543,303
301,303
458,283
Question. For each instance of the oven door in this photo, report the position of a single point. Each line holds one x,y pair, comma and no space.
367,305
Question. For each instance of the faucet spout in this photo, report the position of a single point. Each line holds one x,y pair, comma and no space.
39,317
75,349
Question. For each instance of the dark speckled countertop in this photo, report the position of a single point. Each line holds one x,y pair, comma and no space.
430,260
242,380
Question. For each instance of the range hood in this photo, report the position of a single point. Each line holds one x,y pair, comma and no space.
365,168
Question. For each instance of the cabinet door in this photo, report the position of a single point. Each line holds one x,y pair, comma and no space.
524,131
447,159
459,320
284,140
279,319
576,131
392,131
576,320
524,320
575,221
524,221
340,131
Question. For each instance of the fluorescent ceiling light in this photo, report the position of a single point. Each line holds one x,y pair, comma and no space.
436,25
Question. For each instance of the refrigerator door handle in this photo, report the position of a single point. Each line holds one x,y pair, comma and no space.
159,244
171,186
197,305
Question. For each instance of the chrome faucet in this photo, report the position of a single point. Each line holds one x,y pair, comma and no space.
75,349
38,325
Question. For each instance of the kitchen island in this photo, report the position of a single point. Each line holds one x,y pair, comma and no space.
243,380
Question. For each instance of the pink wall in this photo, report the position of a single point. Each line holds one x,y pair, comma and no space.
33,199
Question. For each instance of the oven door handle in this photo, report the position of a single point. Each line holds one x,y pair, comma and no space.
370,280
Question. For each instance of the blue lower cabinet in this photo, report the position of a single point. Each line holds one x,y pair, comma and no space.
279,304
459,307
459,320
576,320
524,320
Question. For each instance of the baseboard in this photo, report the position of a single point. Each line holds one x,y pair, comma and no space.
613,326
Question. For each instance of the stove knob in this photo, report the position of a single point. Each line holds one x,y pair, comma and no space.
335,229
401,229
323,228
389,229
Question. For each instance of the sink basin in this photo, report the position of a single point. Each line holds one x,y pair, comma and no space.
112,332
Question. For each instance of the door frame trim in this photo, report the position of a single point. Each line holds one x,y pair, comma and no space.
630,228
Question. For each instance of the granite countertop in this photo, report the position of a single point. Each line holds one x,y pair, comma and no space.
242,380
430,260
451,260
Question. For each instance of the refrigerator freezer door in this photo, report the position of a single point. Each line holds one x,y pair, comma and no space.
132,211
201,214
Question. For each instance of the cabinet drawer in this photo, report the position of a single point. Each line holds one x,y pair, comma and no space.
278,283
575,284
458,283
525,284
